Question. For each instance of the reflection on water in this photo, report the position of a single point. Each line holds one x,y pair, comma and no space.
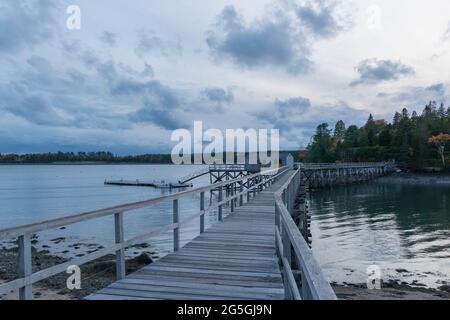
405,229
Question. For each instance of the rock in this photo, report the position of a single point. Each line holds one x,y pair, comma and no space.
401,270
143,258
445,288
141,245
96,267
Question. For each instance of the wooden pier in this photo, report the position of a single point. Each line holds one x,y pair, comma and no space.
255,251
154,184
326,174
235,259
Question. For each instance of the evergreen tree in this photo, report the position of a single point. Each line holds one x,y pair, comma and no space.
406,140
339,131
320,150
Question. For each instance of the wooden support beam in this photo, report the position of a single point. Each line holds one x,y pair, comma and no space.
220,206
176,230
119,238
202,208
25,266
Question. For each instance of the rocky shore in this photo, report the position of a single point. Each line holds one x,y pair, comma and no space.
391,290
95,275
100,273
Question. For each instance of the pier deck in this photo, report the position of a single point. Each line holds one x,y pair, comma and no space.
234,259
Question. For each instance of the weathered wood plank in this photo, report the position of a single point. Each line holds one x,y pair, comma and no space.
235,259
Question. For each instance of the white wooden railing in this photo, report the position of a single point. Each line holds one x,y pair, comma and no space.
292,246
23,233
316,166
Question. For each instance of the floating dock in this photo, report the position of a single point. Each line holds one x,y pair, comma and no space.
154,184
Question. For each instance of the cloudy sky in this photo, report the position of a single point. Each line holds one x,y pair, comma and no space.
136,70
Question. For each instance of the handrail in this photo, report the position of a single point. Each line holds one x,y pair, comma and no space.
314,285
309,166
27,277
71,219
227,166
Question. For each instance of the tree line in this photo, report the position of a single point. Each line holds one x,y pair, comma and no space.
76,157
101,157
415,141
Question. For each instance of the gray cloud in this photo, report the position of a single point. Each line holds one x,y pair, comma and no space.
283,38
265,42
372,71
148,71
417,97
153,114
297,118
218,95
320,18
109,38
23,23
161,104
102,98
34,108
292,106
148,42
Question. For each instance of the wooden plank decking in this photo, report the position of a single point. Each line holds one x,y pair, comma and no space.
234,259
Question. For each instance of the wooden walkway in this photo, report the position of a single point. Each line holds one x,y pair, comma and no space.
234,259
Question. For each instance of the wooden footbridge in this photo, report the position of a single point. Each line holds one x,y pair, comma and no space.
326,174
254,251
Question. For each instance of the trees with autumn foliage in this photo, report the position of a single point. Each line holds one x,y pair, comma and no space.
440,141
411,139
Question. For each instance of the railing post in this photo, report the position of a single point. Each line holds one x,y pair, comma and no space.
248,190
241,198
202,208
220,200
120,254
25,266
277,216
234,193
286,244
232,200
289,199
176,230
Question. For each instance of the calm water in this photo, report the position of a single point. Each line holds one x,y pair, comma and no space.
393,226
35,193
404,229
